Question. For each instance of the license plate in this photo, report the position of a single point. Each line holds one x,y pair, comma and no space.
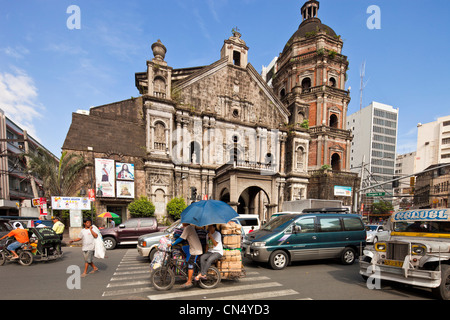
393,263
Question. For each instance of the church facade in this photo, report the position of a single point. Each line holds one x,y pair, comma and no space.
221,132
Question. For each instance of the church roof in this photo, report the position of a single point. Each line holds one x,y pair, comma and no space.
310,26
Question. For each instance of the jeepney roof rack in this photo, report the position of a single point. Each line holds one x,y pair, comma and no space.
326,210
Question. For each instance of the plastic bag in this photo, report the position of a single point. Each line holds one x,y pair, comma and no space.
99,246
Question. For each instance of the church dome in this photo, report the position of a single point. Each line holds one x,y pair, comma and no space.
310,24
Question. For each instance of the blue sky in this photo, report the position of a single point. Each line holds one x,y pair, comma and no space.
48,71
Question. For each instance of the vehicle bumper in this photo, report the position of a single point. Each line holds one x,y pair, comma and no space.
259,254
143,251
422,278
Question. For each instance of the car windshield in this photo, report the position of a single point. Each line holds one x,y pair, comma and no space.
371,228
277,222
423,226
172,226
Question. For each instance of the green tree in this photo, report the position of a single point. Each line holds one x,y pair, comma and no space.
382,207
59,178
141,207
175,207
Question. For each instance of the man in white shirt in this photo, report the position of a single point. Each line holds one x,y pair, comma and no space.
214,251
88,236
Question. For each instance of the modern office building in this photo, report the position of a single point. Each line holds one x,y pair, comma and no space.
433,143
374,146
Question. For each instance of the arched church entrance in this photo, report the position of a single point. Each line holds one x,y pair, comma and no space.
253,200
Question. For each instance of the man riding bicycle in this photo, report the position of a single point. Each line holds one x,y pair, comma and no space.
21,236
195,249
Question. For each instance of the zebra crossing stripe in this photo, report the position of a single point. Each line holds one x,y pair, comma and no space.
258,295
200,292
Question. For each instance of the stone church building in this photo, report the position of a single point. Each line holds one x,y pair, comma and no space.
221,132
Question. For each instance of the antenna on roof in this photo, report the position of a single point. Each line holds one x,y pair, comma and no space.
362,74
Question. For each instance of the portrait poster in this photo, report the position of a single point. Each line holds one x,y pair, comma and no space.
105,178
125,189
125,171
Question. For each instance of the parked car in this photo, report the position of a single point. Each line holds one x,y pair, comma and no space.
129,231
249,222
306,236
376,233
148,243
282,213
5,227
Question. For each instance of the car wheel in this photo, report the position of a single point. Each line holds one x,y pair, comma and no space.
110,243
443,291
278,260
348,256
151,255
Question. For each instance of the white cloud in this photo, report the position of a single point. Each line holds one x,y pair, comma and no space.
17,52
18,98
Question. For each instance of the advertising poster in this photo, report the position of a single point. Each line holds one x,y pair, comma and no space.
105,178
125,171
342,191
70,203
125,189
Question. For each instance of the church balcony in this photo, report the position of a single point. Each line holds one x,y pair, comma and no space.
323,88
326,130
159,146
259,167
161,95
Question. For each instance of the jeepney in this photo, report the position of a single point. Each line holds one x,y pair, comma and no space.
417,252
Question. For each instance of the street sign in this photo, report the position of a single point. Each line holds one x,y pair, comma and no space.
376,194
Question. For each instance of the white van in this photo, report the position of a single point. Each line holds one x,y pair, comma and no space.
249,222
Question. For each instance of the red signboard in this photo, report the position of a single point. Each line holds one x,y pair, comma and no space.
91,194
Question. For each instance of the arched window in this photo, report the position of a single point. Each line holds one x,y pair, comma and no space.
306,84
237,58
160,136
194,152
268,159
336,162
332,82
334,121
300,158
159,87
282,93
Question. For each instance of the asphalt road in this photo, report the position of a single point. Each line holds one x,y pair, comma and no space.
124,275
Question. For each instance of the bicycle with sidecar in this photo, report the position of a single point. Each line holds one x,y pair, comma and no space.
44,245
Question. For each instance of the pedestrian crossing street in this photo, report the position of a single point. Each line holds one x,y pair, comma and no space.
131,280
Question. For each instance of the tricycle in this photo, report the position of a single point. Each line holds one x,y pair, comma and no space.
24,253
44,245
173,264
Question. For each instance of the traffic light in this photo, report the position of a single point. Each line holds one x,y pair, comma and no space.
395,183
193,193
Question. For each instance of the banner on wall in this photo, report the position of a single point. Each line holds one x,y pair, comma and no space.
125,171
105,178
125,189
71,203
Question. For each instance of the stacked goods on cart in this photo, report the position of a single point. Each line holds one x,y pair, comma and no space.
230,265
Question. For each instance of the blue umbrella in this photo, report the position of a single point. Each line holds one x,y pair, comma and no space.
208,212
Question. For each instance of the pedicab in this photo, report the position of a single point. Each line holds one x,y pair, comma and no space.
171,262
44,245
